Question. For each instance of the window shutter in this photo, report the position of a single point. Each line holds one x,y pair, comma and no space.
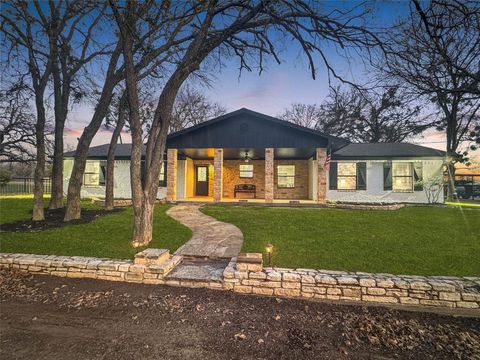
361,176
417,176
103,172
332,176
387,176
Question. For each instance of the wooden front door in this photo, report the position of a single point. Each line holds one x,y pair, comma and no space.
201,180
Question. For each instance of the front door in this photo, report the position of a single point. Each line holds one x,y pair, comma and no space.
201,180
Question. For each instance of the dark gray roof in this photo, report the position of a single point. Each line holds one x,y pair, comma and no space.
260,131
123,151
385,150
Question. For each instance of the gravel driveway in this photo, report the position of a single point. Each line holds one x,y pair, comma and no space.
56,318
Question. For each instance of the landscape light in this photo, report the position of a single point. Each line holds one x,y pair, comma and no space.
269,249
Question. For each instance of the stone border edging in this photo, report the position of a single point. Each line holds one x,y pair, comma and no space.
251,278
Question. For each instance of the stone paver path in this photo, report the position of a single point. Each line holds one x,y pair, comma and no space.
211,238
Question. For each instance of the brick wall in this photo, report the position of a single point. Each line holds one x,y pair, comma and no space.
231,177
300,191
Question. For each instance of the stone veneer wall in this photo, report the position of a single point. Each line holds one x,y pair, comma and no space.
248,278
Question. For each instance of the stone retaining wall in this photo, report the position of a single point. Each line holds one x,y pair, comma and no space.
453,292
248,276
93,268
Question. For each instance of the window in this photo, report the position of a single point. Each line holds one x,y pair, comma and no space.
347,176
161,178
402,176
91,176
246,171
162,182
286,176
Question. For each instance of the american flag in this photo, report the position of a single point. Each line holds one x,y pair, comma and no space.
326,165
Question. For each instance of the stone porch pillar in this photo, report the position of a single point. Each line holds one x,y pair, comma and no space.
269,173
172,174
322,176
218,175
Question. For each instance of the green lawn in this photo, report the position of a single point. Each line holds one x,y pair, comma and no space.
413,240
107,236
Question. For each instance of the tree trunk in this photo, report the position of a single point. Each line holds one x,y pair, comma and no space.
73,210
56,200
143,223
38,210
450,180
109,195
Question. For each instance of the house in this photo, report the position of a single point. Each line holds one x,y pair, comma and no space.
248,155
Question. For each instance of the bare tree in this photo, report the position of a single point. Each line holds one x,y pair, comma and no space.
465,18
362,116
54,39
440,62
367,117
74,48
17,128
233,27
302,114
192,107
150,52
20,29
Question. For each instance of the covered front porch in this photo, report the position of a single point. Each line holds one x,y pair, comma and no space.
253,175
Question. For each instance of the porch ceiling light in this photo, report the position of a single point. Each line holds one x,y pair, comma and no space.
247,158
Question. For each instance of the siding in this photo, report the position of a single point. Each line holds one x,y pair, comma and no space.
121,182
375,193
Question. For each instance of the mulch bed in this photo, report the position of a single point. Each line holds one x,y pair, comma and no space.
56,318
54,219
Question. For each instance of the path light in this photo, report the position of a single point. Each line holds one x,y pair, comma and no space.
269,249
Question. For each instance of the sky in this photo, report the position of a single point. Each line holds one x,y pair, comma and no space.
279,85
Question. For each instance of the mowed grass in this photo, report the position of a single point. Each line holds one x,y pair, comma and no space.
107,236
412,240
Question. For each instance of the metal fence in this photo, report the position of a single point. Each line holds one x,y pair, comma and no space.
24,186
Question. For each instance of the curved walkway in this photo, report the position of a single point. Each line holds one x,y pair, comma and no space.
211,238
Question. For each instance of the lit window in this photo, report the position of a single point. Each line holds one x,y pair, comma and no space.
91,176
246,171
286,176
347,176
402,175
161,178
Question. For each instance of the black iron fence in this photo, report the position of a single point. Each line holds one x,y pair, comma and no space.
24,186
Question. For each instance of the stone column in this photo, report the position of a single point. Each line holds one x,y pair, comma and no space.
322,176
218,175
172,174
269,173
